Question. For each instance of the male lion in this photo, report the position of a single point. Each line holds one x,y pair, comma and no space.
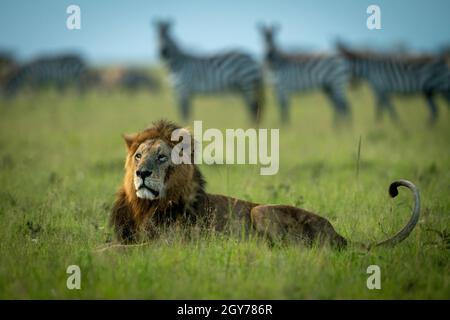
157,192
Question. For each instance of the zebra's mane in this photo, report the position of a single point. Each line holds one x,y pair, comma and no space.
377,56
302,57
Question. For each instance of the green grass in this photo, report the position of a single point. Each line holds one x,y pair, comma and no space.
61,161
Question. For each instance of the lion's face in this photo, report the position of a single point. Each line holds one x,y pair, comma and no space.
150,171
150,164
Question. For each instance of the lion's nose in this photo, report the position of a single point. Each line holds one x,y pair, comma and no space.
143,174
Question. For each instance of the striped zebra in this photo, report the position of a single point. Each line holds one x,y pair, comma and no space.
134,80
60,71
129,79
393,74
224,72
294,73
8,66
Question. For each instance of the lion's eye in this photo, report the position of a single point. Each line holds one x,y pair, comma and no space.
137,156
162,158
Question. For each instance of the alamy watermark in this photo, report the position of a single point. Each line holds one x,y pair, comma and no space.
74,280
73,21
374,280
238,146
374,20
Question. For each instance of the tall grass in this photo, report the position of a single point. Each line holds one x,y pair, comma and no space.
61,162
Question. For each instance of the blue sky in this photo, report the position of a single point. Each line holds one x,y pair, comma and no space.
121,31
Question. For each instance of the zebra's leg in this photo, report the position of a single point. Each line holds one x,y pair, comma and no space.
379,107
446,95
255,109
384,103
339,101
258,101
60,87
185,106
83,89
391,109
283,103
254,102
432,106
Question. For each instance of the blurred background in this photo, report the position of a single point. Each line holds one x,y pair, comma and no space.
120,31
117,47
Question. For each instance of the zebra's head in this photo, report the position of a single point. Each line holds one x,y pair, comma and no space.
166,44
268,32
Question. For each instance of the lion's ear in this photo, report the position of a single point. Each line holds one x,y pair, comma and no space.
129,139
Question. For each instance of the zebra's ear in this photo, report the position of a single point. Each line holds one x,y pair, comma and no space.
165,23
261,26
276,27
170,22
343,49
155,22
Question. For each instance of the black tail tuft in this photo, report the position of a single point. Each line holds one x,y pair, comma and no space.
393,191
403,233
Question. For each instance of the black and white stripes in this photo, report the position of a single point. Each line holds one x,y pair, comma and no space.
302,72
393,74
238,72
224,72
60,71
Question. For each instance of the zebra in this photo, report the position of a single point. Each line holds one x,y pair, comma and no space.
8,66
405,74
192,75
293,73
134,79
129,79
60,71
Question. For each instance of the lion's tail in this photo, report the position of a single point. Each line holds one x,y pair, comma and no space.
403,233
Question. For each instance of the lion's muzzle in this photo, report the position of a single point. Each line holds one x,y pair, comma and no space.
146,186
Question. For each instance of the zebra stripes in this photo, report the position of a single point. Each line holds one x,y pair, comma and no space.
60,71
224,72
129,79
237,72
302,72
389,75
7,66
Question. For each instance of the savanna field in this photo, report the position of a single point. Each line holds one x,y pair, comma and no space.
61,162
